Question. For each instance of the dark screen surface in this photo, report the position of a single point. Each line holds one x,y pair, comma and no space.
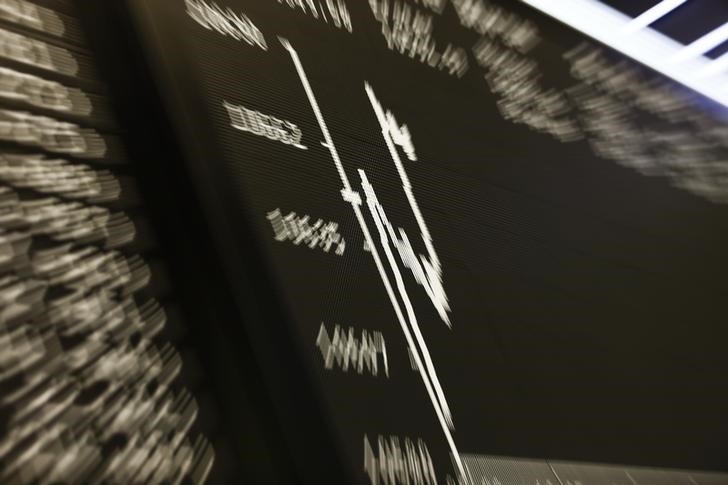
485,238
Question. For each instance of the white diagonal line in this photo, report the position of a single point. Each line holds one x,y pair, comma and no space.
718,65
652,15
704,44
355,201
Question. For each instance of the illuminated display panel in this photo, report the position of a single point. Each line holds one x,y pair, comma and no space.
493,236
91,370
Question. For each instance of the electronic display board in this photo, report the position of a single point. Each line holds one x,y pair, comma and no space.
499,244
93,387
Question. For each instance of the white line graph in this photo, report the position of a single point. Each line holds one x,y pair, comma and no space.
432,266
427,272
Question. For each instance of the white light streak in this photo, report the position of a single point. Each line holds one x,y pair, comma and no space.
715,67
704,44
646,46
652,15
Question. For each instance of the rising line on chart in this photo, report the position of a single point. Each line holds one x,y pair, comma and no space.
355,200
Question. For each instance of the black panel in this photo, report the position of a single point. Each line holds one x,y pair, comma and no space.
581,230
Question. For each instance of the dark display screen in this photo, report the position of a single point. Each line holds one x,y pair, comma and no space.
500,246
